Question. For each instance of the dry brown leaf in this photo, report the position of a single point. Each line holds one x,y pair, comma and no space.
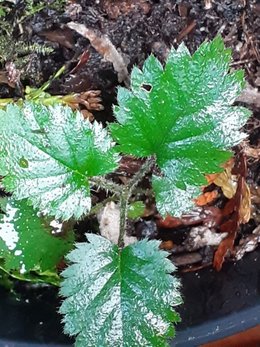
236,211
206,198
245,205
105,47
167,245
226,246
169,222
208,215
83,59
227,183
226,180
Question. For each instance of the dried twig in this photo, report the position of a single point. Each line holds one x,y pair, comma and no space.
186,31
105,47
242,62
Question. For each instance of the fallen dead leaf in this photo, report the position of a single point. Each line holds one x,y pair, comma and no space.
211,178
105,47
238,204
206,198
83,59
209,216
169,222
245,205
226,180
167,245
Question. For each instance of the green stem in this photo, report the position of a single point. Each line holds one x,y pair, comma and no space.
54,77
36,93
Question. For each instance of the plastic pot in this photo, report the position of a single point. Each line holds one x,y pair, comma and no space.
216,305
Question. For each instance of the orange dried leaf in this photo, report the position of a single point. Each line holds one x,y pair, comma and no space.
206,198
211,178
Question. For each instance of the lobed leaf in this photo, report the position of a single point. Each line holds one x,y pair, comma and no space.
119,297
48,154
27,241
183,115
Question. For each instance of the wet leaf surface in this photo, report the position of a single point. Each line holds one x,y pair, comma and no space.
183,115
29,242
119,298
136,210
48,154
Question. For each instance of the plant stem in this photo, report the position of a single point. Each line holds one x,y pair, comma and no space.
124,198
126,194
145,168
106,184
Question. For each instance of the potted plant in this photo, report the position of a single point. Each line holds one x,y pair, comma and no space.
180,121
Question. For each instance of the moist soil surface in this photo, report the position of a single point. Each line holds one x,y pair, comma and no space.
137,28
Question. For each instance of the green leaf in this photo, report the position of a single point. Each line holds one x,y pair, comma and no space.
119,298
35,276
48,155
183,115
135,209
29,242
